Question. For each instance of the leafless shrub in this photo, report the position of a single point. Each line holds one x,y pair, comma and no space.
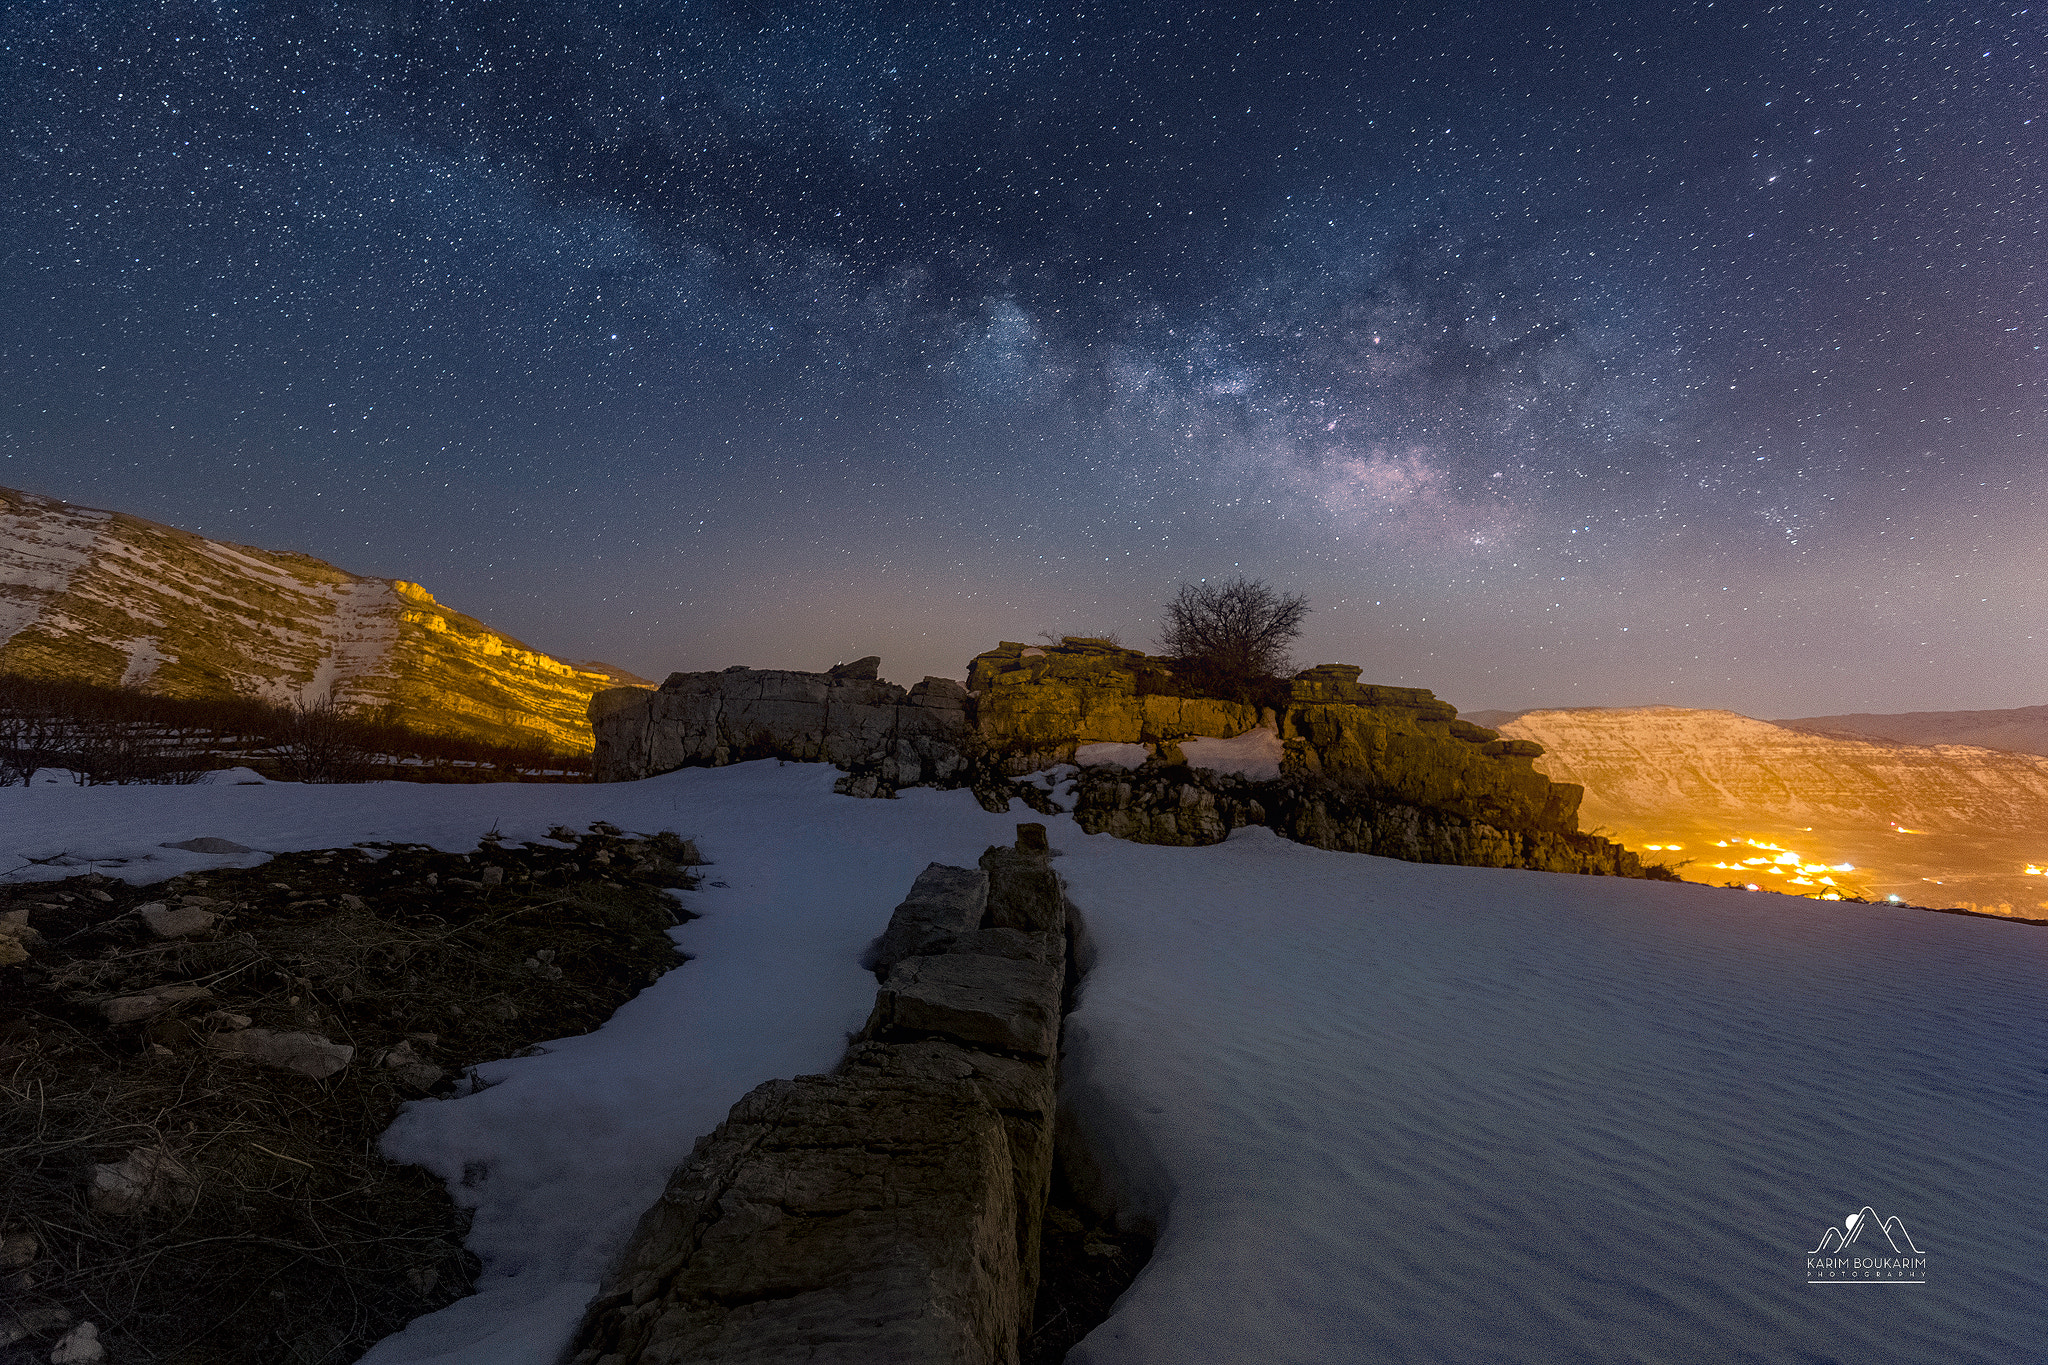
1233,635
319,742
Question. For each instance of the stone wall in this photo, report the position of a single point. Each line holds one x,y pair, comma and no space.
890,1211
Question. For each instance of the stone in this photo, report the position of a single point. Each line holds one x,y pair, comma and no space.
493,875
1031,839
17,1249
1023,892
79,1346
208,844
126,1009
167,923
834,1220
1002,1004
944,903
1022,1091
11,952
413,1072
308,1054
146,1178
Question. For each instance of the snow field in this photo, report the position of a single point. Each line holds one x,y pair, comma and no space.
1384,1111
1376,1111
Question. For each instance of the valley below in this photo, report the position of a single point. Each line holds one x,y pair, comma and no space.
1725,798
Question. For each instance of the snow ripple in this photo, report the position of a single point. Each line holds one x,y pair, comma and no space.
1391,1112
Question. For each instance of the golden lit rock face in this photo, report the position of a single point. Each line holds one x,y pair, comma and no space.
112,599
1408,743
1749,802
1037,704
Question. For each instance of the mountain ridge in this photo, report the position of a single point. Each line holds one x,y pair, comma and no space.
114,599
1942,825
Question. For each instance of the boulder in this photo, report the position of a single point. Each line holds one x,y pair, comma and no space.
944,903
836,1220
1035,706
146,1178
1001,1004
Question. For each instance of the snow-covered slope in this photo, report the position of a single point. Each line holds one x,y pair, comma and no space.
1377,1111
1944,825
112,599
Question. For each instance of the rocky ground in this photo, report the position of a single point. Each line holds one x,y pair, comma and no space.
193,1076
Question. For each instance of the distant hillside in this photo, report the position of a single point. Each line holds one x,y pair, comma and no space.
112,599
1943,825
2022,730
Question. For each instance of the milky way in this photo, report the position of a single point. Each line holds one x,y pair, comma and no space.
1638,353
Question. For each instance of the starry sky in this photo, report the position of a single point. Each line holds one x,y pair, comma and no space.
1600,354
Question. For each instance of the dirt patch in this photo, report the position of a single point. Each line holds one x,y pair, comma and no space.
188,1123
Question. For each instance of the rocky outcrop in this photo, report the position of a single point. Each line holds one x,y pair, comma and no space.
1411,749
892,1210
884,736
110,599
1173,804
1342,764
1034,706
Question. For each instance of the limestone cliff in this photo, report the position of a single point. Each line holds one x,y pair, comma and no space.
111,599
1940,825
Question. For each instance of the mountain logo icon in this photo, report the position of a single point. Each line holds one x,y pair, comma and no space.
1870,1235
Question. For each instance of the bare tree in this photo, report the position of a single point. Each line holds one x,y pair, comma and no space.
1232,634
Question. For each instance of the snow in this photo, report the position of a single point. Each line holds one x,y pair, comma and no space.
1393,1112
1376,1111
1254,754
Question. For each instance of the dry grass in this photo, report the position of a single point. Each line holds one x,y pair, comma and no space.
262,1225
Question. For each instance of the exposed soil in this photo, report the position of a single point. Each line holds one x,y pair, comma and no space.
204,1208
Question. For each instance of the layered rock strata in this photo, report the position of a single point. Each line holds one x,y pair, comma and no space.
113,600
891,1211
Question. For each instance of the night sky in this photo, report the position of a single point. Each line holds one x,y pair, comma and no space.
1562,355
